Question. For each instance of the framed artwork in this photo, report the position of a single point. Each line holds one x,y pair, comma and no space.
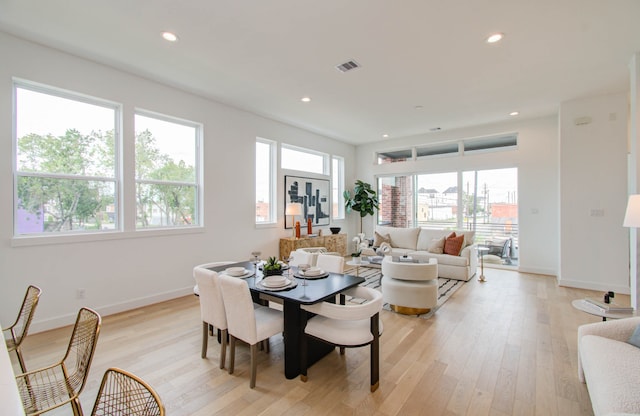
314,196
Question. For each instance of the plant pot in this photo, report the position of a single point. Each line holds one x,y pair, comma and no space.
355,260
272,272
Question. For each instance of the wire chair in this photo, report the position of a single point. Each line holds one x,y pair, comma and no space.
61,383
123,393
18,331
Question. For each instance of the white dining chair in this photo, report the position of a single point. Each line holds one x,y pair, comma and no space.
351,325
196,289
212,311
246,323
301,257
330,263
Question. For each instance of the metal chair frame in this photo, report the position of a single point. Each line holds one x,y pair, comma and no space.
50,387
124,393
18,331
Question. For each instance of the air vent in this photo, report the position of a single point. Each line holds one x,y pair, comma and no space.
348,66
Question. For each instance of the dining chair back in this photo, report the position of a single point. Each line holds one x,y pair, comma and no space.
301,257
330,263
212,311
124,393
196,289
354,324
249,324
15,334
61,383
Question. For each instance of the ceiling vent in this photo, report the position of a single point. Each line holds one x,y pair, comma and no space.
348,66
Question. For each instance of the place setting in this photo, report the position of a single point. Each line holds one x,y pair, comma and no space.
310,272
276,283
239,272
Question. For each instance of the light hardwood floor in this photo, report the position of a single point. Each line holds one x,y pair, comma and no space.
503,347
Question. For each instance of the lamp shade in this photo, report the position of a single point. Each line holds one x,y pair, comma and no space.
632,216
293,209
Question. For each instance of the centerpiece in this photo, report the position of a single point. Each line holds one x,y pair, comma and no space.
272,267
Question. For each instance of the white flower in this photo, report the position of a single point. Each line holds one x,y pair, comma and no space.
356,240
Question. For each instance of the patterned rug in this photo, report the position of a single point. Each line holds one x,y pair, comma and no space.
446,287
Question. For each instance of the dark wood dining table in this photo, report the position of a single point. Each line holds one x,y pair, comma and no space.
295,318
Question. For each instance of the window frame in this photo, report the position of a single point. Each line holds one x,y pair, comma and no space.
198,176
339,178
273,204
47,237
326,168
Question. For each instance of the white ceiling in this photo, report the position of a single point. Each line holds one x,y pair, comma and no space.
263,56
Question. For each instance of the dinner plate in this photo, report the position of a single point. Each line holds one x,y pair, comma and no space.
290,285
268,283
315,276
247,273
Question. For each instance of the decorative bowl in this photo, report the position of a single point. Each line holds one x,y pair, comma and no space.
335,230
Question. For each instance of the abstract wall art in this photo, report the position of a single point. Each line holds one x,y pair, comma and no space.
314,196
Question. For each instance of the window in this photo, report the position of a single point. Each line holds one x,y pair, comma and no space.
304,160
488,143
394,156
337,187
167,172
66,148
265,181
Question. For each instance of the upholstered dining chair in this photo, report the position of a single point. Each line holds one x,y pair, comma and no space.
351,325
301,257
15,334
212,311
61,383
196,289
249,324
330,263
123,393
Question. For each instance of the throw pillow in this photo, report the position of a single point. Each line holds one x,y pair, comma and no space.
453,245
635,337
379,239
436,246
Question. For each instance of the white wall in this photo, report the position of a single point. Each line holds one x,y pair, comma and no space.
593,179
536,159
131,271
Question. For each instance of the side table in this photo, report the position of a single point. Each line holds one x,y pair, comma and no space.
481,253
357,265
584,306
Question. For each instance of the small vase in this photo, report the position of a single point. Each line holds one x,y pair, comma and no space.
355,260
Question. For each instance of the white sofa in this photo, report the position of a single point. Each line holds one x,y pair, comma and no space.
610,366
415,242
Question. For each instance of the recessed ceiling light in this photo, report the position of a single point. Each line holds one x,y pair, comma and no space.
496,37
171,37
514,113
305,99
385,136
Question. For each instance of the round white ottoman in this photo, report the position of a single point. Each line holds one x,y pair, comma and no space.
410,288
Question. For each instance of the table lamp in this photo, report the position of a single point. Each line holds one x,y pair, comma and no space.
293,209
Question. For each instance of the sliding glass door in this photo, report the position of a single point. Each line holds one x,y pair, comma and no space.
485,201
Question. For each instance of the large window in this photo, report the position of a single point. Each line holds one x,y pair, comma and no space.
65,162
305,160
485,201
167,174
337,187
265,181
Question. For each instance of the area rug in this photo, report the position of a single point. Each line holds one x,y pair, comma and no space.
372,276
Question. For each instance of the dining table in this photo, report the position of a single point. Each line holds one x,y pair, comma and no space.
315,290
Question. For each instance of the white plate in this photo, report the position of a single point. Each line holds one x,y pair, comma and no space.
267,283
247,273
313,272
236,271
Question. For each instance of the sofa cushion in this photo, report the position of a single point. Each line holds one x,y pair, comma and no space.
379,239
612,371
426,235
634,339
453,244
437,246
401,237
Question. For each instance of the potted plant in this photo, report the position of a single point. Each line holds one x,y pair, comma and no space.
355,256
272,267
364,200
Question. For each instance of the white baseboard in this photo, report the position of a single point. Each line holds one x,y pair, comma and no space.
106,310
601,287
533,270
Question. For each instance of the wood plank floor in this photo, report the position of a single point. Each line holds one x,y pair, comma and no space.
503,347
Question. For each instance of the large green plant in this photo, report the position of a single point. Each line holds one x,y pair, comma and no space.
364,200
